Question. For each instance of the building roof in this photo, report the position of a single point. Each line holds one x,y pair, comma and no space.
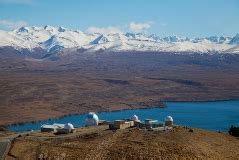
150,121
49,126
91,119
169,118
135,118
68,126
53,126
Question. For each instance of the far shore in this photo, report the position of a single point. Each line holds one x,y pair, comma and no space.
116,110
75,114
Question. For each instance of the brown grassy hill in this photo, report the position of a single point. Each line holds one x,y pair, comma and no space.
30,88
100,143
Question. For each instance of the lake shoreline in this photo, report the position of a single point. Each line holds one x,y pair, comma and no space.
172,108
202,101
78,114
116,110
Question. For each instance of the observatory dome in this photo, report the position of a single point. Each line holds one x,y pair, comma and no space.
91,119
68,126
135,118
169,118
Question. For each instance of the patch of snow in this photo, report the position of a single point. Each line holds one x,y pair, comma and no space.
52,39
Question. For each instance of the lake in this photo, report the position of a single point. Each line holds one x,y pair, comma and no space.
214,116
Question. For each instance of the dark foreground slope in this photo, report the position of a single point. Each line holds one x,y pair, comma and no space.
34,89
100,143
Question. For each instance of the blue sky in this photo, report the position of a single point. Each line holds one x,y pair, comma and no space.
192,18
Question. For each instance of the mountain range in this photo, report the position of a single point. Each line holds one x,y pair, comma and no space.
51,39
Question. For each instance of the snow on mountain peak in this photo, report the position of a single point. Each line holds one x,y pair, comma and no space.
130,35
235,39
48,27
52,38
100,39
22,29
61,29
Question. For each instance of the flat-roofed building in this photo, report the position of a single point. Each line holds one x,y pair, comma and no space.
52,127
48,128
121,124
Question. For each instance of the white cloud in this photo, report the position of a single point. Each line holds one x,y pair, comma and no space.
27,2
163,24
140,27
104,30
9,25
133,26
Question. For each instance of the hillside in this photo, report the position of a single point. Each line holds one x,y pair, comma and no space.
101,143
105,82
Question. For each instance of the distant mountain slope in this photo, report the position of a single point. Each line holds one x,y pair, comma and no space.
53,39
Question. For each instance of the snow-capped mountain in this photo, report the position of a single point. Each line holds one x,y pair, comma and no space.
235,40
53,39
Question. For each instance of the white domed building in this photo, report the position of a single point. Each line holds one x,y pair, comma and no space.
66,128
135,118
69,126
92,119
168,121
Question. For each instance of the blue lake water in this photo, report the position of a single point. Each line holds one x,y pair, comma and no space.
214,116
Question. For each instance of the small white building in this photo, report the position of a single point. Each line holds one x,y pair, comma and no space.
135,118
48,128
168,121
68,128
51,128
92,119
58,128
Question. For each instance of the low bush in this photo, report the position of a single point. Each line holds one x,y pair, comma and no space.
234,131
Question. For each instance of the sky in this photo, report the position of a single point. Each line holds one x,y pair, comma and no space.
187,18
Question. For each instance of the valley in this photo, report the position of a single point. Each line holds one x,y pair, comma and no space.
119,80
34,89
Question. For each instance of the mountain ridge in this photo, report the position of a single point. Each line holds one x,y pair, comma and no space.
53,39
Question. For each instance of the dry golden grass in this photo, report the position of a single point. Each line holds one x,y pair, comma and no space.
99,143
35,90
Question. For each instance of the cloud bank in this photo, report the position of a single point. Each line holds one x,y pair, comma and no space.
104,30
140,27
10,25
132,26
